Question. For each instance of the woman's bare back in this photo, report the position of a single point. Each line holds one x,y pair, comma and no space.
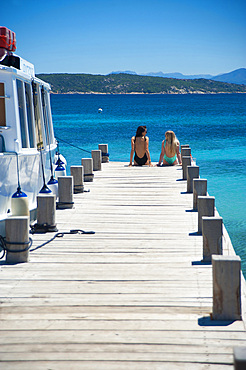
140,145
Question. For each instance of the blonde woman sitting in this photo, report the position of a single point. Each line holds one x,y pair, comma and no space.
170,150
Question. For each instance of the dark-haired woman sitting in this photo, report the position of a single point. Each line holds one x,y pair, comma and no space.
140,146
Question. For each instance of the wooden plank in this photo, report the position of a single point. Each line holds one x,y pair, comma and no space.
116,365
132,296
105,324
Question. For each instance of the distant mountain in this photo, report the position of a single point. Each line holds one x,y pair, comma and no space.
126,72
236,77
177,75
123,83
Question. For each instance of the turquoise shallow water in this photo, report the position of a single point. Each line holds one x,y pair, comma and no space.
213,125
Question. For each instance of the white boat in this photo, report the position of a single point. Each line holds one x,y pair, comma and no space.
27,143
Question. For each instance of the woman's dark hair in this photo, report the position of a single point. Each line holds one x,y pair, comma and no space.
140,131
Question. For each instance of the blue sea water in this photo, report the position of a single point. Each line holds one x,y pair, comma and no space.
213,125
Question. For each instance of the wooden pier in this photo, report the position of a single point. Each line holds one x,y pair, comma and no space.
134,295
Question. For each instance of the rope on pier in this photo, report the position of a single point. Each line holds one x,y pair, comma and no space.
75,146
60,235
3,241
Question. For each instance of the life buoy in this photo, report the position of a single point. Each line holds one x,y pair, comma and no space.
7,39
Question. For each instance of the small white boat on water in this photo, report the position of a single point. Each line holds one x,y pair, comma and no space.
27,143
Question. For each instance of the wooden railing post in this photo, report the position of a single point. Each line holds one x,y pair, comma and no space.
97,160
186,161
239,357
87,163
186,152
205,208
104,150
199,189
182,147
78,178
226,287
192,173
212,230
17,239
65,191
46,212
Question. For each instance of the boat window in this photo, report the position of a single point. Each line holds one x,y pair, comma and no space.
20,92
50,123
29,113
47,116
37,114
2,105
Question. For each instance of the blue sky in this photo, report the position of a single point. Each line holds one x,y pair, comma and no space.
101,36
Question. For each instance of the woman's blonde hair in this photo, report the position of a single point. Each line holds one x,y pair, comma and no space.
171,141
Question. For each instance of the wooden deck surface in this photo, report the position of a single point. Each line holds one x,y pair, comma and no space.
132,296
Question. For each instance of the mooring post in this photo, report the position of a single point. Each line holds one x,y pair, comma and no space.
104,150
192,173
239,357
97,160
87,163
78,178
185,152
184,146
46,212
205,208
65,191
199,188
186,161
226,287
17,239
212,231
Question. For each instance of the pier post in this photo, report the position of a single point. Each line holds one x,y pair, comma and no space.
17,239
104,150
239,356
87,163
199,188
65,191
97,160
184,146
226,287
212,231
186,161
46,213
192,173
78,178
185,152
205,208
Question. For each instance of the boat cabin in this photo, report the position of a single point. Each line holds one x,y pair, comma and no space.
27,142
25,114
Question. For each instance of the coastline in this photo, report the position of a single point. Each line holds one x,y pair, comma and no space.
143,93
135,85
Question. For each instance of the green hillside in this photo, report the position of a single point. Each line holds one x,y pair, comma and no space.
125,84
